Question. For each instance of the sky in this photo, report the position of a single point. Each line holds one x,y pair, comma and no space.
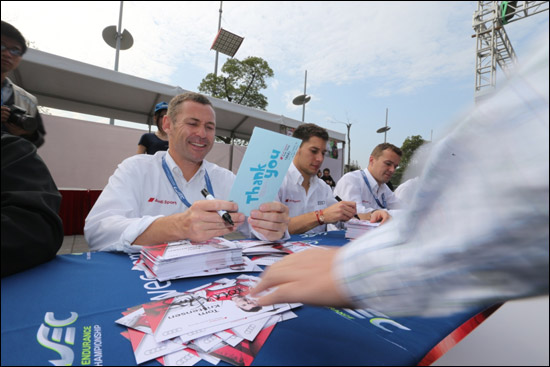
416,59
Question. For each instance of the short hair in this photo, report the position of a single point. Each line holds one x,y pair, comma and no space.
326,169
187,96
11,32
377,151
305,131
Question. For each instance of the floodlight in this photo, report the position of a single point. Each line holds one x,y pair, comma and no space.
227,43
301,99
110,35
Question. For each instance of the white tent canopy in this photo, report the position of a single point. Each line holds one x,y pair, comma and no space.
71,85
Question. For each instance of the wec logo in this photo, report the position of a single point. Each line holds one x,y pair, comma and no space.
53,342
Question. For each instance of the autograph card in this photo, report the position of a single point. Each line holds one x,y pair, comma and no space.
263,169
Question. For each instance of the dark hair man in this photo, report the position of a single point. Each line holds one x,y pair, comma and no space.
310,201
328,178
19,108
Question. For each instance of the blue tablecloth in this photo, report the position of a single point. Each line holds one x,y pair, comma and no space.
65,311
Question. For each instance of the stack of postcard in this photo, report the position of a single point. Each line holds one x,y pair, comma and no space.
216,321
184,258
356,228
267,253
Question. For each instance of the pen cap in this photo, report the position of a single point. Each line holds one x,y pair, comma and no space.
205,192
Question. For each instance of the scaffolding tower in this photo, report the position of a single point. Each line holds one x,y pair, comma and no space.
492,43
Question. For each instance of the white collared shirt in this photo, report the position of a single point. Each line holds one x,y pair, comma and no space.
139,192
293,195
352,187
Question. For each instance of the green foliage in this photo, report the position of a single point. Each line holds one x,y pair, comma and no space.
410,145
241,82
354,166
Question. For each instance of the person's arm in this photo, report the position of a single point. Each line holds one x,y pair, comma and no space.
340,211
143,143
349,188
32,231
141,149
477,233
198,223
305,277
375,216
36,137
116,220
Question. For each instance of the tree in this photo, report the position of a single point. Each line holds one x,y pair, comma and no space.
354,166
241,82
410,145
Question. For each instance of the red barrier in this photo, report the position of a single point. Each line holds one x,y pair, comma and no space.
75,206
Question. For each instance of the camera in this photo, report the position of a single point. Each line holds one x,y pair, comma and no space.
19,117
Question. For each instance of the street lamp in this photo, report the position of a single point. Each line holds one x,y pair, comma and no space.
348,126
302,99
118,40
225,42
384,129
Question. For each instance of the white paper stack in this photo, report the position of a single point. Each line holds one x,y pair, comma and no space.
182,258
216,321
356,228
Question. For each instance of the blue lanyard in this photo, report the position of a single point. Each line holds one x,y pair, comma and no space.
383,205
175,185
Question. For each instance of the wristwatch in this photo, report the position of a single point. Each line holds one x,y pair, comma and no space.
320,217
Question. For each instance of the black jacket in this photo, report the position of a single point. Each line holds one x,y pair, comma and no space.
32,231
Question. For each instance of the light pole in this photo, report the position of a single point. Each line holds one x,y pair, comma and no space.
385,128
302,99
118,40
225,42
217,52
348,126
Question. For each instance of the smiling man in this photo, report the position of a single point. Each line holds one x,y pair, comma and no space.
157,198
367,188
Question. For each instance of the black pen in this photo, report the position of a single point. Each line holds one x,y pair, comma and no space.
338,199
225,215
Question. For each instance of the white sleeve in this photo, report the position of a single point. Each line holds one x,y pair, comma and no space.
349,188
477,232
114,222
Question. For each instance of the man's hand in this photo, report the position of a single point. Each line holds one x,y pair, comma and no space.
379,216
12,128
305,277
341,211
5,113
271,220
198,223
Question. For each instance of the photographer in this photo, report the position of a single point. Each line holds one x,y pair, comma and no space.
19,108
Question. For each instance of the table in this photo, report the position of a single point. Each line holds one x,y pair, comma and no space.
64,311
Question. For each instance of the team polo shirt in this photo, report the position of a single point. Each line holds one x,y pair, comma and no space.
139,192
352,187
293,195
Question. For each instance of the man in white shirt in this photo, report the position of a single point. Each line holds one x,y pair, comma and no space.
310,200
157,198
368,187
